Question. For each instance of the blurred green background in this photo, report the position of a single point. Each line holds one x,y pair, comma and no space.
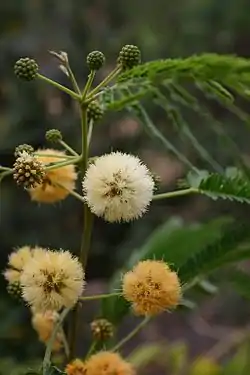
162,29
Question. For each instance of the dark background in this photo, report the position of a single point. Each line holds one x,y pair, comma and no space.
162,29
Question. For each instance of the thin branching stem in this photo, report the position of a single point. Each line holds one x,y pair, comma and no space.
73,80
104,83
60,87
91,349
52,166
176,193
88,84
68,148
131,334
56,156
99,296
5,169
72,192
47,356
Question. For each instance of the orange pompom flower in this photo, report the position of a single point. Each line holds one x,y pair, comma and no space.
57,182
107,363
75,367
151,287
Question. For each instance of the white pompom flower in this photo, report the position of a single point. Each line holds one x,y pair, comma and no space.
118,187
51,280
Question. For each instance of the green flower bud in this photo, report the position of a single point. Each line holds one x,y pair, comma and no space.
26,69
95,60
53,135
129,56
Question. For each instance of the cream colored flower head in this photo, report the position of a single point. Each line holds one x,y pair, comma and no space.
17,261
151,287
50,191
52,280
44,324
118,187
107,363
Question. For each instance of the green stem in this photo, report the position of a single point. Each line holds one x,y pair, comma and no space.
90,130
176,193
5,169
131,334
47,356
5,174
91,349
106,80
72,192
68,148
87,227
54,156
61,164
65,344
60,87
88,84
99,296
73,80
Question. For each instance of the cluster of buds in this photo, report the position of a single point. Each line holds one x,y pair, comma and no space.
28,171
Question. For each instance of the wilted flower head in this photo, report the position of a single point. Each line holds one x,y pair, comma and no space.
151,287
107,363
51,280
50,191
76,367
17,261
44,324
118,187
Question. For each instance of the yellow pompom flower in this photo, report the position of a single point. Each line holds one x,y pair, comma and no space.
50,191
151,287
107,363
118,187
52,280
17,261
44,324
76,367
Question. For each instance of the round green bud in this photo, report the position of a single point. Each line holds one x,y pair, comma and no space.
53,135
15,290
26,69
95,60
102,329
94,111
129,56
21,148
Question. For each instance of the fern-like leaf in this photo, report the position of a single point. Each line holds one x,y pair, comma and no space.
233,185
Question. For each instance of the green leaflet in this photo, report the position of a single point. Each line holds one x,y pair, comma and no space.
220,68
173,242
228,186
152,130
240,280
232,246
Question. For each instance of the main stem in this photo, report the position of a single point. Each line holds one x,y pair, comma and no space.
87,229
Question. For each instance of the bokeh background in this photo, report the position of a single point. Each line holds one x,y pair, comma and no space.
162,29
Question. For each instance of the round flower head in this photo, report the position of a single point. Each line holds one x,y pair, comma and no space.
51,280
118,187
50,191
76,367
17,261
107,363
44,324
151,287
